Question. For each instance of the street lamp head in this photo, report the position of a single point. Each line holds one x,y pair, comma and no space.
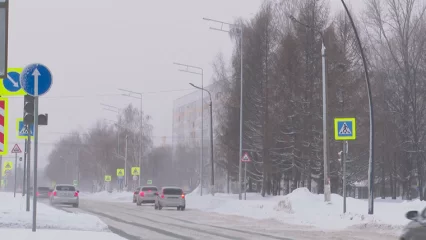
192,85
206,19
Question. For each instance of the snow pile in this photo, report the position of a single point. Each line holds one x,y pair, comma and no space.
14,215
49,234
109,196
304,208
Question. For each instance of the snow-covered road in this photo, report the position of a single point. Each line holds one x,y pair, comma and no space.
143,222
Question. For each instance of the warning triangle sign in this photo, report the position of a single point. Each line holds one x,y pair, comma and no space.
345,130
16,149
245,158
135,172
7,166
120,172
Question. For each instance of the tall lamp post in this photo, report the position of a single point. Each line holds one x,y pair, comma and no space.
327,188
240,29
370,101
211,138
201,73
129,94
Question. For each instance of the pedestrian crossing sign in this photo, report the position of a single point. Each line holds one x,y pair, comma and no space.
107,178
344,129
136,171
120,172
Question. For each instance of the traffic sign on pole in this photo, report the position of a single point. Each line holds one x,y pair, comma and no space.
107,178
3,126
344,129
245,158
120,172
149,182
36,79
22,130
11,84
16,149
136,171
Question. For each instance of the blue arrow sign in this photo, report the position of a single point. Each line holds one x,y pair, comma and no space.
36,79
23,132
11,82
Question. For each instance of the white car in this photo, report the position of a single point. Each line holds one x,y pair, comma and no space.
170,197
146,195
65,194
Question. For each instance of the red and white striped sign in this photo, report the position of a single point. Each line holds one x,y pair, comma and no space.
2,127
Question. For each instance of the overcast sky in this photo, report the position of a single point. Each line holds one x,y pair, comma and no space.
94,47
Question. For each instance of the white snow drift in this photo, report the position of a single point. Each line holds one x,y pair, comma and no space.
13,214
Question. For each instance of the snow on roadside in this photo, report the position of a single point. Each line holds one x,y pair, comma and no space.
14,215
304,208
300,207
49,234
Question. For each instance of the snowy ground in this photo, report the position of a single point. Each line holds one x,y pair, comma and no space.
49,234
300,207
16,222
14,215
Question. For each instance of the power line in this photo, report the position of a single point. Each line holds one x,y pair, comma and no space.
105,94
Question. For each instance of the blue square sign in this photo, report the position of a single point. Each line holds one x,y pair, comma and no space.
344,129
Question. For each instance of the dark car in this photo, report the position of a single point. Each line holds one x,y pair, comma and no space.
416,229
43,192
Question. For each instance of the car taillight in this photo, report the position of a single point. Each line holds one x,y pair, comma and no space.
76,194
162,195
142,194
183,195
54,193
38,194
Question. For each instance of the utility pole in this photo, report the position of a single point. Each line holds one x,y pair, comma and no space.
28,166
211,139
240,29
345,151
141,128
327,188
370,101
202,115
24,188
125,164
16,166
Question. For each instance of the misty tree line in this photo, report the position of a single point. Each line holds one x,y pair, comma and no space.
282,100
87,156
282,106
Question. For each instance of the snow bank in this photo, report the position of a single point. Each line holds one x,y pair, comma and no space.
14,215
48,234
304,208
109,196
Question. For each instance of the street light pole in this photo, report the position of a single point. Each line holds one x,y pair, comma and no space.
370,101
141,127
202,115
240,28
327,188
211,139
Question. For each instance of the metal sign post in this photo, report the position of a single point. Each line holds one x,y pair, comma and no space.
344,130
245,159
36,80
28,169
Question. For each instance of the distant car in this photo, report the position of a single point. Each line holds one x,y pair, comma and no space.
135,193
416,229
65,194
170,197
43,192
146,195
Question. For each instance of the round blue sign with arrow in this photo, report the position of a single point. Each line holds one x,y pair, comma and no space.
11,82
36,79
